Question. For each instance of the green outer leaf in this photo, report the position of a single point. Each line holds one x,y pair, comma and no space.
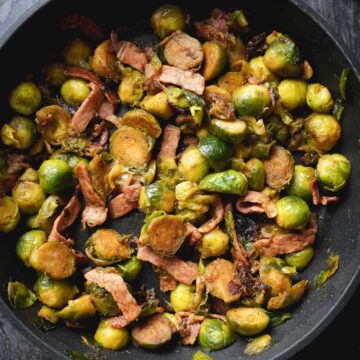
78,355
43,325
199,355
338,109
342,82
278,318
332,267
20,296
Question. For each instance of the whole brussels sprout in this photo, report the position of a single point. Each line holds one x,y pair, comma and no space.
79,309
183,298
300,259
333,171
292,93
260,71
19,133
28,242
10,214
323,131
55,74
55,293
319,99
216,151
77,52
256,170
293,212
130,269
74,91
55,176
301,181
72,159
283,57
214,244
25,98
215,335
167,19
110,337
251,100
29,196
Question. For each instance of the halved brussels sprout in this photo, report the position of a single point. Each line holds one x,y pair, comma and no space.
231,81
216,151
19,133
256,178
247,321
301,182
131,88
104,61
20,296
55,293
231,131
78,309
25,98
300,259
333,171
236,52
259,71
53,124
168,19
214,60
55,74
111,338
55,259
292,212
155,332
215,335
277,129
319,99
74,91
29,196
48,314
10,214
28,242
292,93
214,244
183,298
219,103
77,52
158,105
130,269
106,246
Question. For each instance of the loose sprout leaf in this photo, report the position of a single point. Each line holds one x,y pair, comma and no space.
338,109
78,355
278,318
258,345
199,355
342,82
238,17
43,325
20,296
332,266
90,341
193,99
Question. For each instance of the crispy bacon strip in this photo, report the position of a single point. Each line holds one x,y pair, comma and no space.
112,281
167,282
256,202
169,143
106,110
88,26
130,54
95,212
317,198
189,326
179,269
125,202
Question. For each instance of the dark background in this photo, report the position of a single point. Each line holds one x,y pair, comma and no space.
341,339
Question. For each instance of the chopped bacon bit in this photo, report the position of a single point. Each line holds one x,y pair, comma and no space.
191,140
189,326
219,306
179,269
169,143
16,163
130,54
317,199
79,256
106,109
125,202
256,202
167,282
7,184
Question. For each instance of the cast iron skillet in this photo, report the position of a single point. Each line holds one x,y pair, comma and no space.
31,43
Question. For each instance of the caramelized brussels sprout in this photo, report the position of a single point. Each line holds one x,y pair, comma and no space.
74,91
301,182
158,105
72,159
168,19
333,171
77,52
130,269
104,61
277,129
55,74
20,296
214,244
219,103
216,152
29,196
110,337
319,99
259,71
10,214
300,259
176,97
28,242
230,131
55,293
131,88
78,309
48,314
256,170
236,52
231,81
292,93
214,60
19,133
183,298
25,98
215,335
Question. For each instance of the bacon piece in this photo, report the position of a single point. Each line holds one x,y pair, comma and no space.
125,202
256,202
95,212
186,79
189,326
288,243
317,199
180,270
87,110
106,110
16,163
112,281
169,143
167,282
191,140
88,26
130,54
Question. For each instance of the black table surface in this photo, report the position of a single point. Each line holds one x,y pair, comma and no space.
340,340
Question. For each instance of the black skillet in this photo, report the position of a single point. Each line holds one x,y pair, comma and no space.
31,43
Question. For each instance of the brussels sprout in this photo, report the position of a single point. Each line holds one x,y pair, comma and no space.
55,176
131,88
55,293
53,124
10,214
201,356
215,335
104,61
218,274
130,146
231,81
110,337
163,233
183,298
158,105
168,19
78,309
25,98
226,182
256,170
55,74
193,166
157,196
176,97
29,196
323,131
247,321
277,129
156,331
319,99
214,60
333,171
231,131
20,296
300,259
214,244
293,212
258,345
259,71
72,159
19,134
28,242
130,269
301,182
106,246
236,52
283,57
216,151
53,258
49,315
251,100
102,300
77,52
74,91
292,93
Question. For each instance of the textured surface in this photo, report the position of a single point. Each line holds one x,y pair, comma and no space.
337,341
